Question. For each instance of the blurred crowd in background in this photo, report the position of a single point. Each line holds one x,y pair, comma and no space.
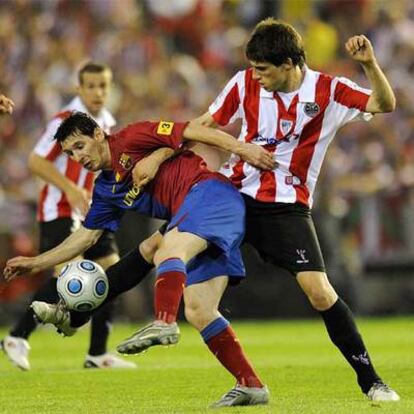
170,60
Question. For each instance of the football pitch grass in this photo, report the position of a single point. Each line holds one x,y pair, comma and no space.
304,372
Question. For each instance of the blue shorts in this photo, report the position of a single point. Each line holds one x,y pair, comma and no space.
213,210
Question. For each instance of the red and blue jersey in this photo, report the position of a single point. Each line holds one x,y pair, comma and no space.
114,190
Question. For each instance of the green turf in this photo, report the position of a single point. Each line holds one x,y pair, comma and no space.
303,370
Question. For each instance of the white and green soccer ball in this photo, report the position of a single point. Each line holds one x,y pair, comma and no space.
82,285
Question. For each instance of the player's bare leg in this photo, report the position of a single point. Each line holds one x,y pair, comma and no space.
201,310
343,332
175,250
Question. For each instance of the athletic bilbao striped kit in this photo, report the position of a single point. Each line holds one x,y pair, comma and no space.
297,127
53,203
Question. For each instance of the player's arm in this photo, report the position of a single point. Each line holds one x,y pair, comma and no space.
382,98
71,247
206,119
146,169
43,168
251,153
6,105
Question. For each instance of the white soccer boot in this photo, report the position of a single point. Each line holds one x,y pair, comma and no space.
107,360
382,392
17,350
56,314
241,395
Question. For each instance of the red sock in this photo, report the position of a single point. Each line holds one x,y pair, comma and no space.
168,290
227,349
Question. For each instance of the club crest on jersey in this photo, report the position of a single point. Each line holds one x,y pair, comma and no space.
311,109
125,161
285,126
292,180
165,128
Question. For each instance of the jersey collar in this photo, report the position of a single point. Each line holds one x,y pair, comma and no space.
306,90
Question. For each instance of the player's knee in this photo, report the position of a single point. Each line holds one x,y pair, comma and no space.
322,297
148,248
318,289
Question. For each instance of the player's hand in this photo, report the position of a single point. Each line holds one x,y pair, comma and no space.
144,171
257,156
6,105
20,265
360,49
79,199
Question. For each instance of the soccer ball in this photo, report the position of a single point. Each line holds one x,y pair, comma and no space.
82,285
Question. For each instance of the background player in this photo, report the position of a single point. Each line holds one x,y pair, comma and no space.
64,201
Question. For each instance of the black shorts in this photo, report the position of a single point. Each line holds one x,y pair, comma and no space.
283,234
54,232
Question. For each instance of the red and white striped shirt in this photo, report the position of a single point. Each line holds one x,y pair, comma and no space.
297,128
53,203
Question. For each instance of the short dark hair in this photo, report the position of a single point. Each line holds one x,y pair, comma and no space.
275,41
92,67
76,123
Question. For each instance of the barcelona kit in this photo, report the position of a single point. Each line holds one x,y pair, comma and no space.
185,192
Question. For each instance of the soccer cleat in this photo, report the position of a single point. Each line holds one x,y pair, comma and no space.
17,350
382,392
56,314
150,335
241,395
107,361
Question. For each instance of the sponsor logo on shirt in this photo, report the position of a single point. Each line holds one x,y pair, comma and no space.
125,161
131,195
165,128
260,140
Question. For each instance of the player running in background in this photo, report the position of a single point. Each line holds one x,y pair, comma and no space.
200,249
6,105
63,203
294,112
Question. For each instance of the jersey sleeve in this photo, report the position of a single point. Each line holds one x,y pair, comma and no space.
227,106
350,100
103,215
147,137
47,147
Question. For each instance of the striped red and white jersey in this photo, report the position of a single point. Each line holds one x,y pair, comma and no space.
53,203
296,127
